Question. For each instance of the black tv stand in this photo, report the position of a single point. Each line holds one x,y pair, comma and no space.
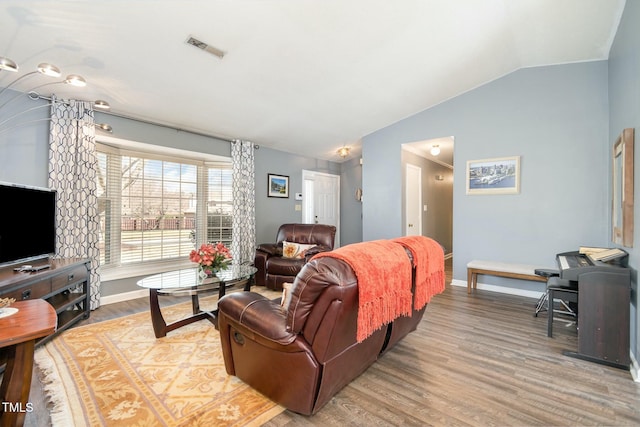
31,268
63,283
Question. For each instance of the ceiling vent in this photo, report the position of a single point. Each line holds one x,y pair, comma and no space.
202,45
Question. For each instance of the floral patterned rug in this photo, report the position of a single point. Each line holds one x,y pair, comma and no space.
117,373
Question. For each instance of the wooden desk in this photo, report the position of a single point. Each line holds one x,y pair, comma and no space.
18,334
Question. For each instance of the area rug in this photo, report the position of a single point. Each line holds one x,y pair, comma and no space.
117,372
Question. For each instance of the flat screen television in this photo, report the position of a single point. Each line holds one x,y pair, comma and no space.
27,224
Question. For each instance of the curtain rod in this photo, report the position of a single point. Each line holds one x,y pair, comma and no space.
149,122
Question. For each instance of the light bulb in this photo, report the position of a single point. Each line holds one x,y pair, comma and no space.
48,70
76,80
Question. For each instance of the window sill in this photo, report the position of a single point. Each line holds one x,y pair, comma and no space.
138,270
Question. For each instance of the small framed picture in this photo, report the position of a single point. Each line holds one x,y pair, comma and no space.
494,176
278,186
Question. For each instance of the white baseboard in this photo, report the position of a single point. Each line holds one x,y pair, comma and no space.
501,289
634,368
125,296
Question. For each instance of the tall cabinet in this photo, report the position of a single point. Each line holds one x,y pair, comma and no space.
64,284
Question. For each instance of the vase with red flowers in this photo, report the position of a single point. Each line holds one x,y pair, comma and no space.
211,258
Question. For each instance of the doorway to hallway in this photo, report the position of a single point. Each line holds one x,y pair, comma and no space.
427,198
321,200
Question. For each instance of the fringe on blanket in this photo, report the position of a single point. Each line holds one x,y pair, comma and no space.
383,270
428,258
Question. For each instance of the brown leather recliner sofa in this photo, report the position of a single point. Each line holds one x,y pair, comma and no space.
301,356
274,269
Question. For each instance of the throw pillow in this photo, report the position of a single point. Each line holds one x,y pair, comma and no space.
287,291
294,250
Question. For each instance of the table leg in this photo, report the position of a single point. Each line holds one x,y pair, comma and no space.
159,325
16,383
161,328
222,289
195,303
250,282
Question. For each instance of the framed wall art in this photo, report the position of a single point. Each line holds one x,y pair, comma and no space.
278,185
500,175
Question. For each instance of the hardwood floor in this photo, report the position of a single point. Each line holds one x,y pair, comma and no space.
476,360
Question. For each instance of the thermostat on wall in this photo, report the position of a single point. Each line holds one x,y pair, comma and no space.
298,196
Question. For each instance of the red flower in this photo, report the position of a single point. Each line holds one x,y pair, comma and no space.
214,255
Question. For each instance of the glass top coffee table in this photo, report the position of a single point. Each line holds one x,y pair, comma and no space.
188,282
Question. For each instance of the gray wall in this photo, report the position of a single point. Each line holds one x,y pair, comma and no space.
563,121
437,221
272,212
165,136
556,119
24,136
350,207
624,112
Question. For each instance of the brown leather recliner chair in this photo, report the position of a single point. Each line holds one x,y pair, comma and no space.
301,356
274,269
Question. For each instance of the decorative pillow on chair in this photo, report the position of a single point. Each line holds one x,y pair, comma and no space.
294,250
287,291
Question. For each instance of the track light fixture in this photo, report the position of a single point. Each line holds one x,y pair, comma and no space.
43,68
101,105
48,70
75,80
8,65
104,127
8,121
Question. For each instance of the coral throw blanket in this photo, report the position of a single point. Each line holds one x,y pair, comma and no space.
428,257
384,277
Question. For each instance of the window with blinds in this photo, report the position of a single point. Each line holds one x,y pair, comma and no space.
219,204
154,209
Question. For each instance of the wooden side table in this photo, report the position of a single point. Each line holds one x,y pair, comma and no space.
18,334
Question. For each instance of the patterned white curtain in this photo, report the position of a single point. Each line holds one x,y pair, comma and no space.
243,244
72,173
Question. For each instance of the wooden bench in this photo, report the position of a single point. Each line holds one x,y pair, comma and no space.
501,269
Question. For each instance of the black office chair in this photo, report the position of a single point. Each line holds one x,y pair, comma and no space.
567,292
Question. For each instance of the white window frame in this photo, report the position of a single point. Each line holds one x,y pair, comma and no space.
129,148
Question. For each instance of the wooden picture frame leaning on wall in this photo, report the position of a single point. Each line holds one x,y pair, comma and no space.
622,189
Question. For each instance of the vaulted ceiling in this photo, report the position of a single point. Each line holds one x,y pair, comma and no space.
303,76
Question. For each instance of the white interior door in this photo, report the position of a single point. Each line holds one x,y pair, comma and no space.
413,201
321,200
